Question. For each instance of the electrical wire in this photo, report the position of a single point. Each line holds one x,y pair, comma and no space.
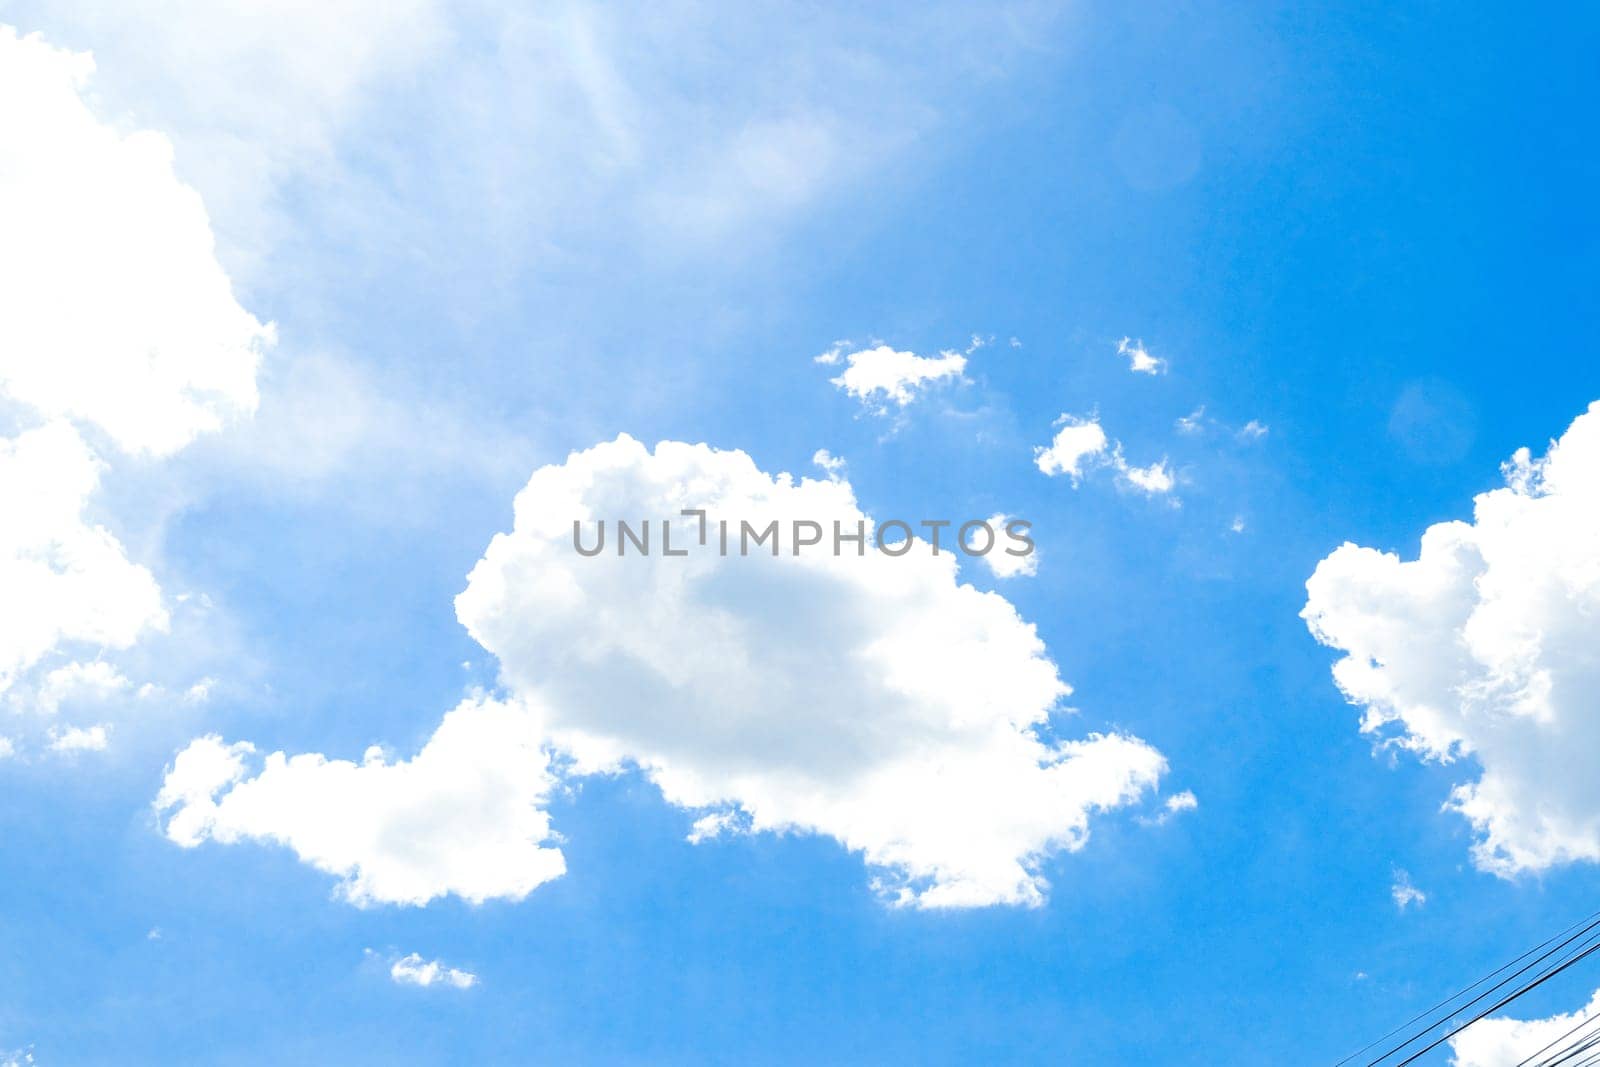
1502,1003
1467,989
1584,935
1569,1054
1525,1061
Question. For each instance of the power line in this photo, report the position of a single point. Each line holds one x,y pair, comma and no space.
1507,1000
1467,989
1546,1062
1573,1051
1583,935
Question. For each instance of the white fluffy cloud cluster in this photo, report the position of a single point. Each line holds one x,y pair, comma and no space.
118,320
1005,565
117,312
463,816
1487,646
876,700
1080,444
1500,1041
65,579
873,699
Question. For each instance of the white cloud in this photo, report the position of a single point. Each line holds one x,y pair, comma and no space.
1154,479
66,581
463,816
1252,431
714,825
341,433
872,699
1000,562
254,91
1140,361
1172,807
1197,422
79,739
79,682
117,312
692,125
414,970
1497,1042
1076,443
1404,894
875,700
883,376
8,748
1483,647
1081,444
120,326
835,466
833,354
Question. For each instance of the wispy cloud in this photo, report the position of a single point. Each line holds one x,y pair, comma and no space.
1405,894
414,970
79,739
1171,808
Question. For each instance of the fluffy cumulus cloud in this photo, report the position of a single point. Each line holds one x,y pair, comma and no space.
1483,650
66,580
1001,563
872,699
414,970
463,816
881,376
1077,443
119,325
1502,1041
117,312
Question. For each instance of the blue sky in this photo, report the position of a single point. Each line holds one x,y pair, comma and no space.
1361,228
